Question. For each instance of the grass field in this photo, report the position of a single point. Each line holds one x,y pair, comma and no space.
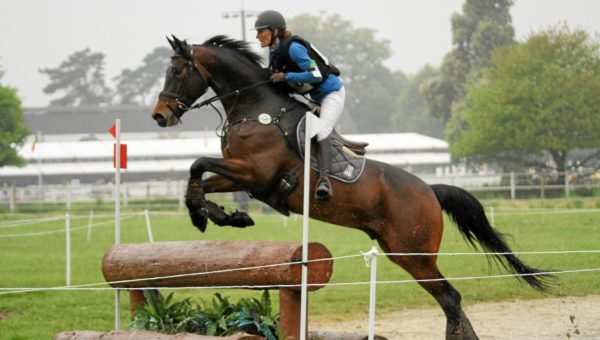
39,261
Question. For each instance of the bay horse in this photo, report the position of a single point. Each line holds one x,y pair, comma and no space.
394,207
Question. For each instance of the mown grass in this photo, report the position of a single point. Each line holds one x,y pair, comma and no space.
39,261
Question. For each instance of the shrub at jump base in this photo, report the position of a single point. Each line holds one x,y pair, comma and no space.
221,318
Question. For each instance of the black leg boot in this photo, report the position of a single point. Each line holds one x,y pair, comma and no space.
323,192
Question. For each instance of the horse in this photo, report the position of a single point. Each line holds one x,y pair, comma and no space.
394,207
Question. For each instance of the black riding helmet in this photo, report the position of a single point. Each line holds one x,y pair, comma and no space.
270,19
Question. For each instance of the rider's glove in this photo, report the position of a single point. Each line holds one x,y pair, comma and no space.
278,77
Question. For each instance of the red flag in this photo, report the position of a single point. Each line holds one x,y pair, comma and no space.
123,156
35,139
113,130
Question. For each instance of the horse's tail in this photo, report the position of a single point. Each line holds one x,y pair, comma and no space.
468,214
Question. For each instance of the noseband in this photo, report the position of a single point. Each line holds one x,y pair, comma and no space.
178,97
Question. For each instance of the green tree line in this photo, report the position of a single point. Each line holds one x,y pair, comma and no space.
13,130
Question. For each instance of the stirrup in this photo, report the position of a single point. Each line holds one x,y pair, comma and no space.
323,191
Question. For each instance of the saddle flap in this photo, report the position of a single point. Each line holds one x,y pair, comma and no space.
346,165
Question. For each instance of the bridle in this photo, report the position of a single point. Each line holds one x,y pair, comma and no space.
178,97
182,108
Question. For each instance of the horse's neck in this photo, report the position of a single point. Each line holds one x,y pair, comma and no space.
249,102
230,74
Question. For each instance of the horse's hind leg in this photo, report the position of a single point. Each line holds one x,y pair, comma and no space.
424,269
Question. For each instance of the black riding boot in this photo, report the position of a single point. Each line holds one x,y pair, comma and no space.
323,192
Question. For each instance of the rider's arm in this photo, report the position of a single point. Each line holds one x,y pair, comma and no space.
299,55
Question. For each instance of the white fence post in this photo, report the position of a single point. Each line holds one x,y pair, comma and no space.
68,198
148,226
68,247
513,190
90,222
11,199
147,193
567,188
373,286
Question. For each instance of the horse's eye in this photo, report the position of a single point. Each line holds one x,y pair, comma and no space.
175,70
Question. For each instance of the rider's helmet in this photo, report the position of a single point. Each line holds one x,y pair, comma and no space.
270,19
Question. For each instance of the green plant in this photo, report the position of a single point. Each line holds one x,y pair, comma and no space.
254,313
219,318
162,314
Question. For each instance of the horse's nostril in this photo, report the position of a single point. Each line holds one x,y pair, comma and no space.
160,119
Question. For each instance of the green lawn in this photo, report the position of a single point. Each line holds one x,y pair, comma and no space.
39,261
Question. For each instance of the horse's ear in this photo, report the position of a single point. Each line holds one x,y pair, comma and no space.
172,43
177,41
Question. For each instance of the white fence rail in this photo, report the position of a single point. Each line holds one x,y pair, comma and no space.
508,185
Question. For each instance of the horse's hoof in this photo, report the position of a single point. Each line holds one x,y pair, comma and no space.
241,219
199,219
198,213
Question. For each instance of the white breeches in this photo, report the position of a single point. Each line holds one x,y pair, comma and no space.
331,111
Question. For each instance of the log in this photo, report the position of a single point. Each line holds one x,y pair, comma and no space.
150,260
145,335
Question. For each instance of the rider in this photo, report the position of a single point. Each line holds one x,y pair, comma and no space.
295,61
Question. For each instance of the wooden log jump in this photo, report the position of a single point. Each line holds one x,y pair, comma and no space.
144,261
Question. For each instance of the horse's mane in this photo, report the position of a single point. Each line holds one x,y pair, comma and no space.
240,46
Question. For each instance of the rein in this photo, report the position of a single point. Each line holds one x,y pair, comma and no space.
226,95
181,106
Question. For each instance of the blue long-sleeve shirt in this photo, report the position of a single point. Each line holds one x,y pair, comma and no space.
299,54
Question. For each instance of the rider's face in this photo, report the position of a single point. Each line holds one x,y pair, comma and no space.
264,37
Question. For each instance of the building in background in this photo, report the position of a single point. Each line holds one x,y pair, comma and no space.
74,144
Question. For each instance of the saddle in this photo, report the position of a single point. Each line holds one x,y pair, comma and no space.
346,164
359,148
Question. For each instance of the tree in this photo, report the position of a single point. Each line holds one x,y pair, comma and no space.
80,78
370,86
410,113
13,130
484,25
538,100
138,85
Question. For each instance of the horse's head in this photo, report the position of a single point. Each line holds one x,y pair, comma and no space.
185,82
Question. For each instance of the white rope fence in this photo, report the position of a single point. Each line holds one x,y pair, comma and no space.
21,223
27,222
55,231
368,256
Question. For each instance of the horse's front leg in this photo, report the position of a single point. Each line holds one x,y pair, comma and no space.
231,175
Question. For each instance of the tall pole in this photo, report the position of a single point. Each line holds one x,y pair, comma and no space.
313,126
305,226
242,14
243,24
118,213
68,247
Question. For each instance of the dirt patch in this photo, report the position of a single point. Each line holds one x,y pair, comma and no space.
552,318
4,315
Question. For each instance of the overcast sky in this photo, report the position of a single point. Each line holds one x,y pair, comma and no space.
37,34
